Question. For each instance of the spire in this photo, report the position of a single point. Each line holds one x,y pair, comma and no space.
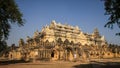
96,32
53,21
36,33
103,38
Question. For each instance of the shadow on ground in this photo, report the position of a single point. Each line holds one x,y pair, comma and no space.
7,62
95,64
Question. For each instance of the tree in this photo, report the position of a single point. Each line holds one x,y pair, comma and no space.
9,14
112,8
3,45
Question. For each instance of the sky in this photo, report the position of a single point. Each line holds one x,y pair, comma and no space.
87,14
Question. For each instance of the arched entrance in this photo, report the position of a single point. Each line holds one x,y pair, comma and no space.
69,53
54,55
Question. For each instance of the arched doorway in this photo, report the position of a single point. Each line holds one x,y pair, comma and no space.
69,53
54,55
59,41
66,42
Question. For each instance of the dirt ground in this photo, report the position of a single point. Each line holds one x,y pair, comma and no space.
105,63
43,64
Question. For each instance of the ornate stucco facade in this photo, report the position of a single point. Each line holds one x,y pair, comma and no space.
73,34
62,42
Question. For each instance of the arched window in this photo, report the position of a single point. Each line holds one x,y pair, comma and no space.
66,42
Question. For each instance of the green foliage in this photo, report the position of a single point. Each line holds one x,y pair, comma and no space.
112,8
3,45
9,14
114,48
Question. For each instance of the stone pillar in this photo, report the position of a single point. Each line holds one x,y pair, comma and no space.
45,54
50,54
65,54
40,54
